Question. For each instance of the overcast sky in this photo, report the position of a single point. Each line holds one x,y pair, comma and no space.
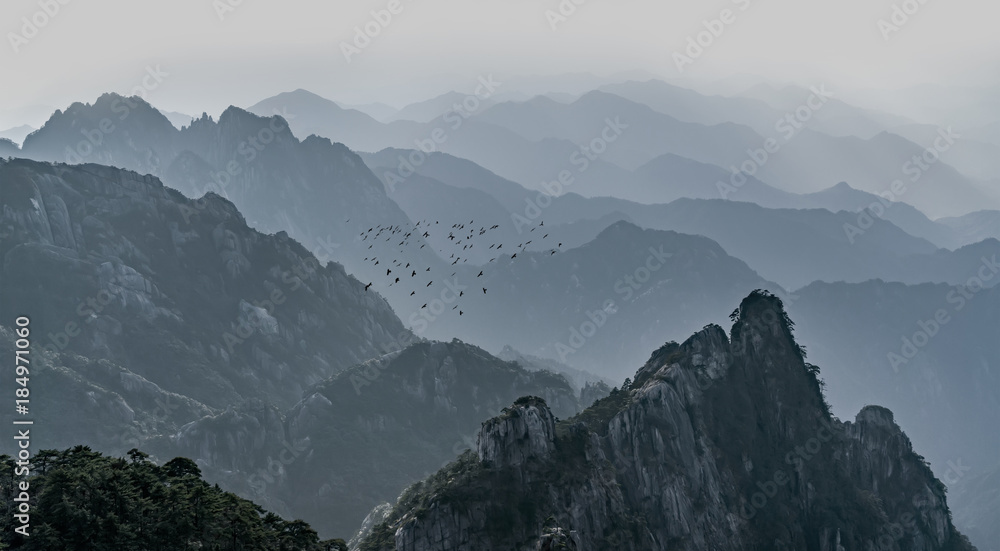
263,47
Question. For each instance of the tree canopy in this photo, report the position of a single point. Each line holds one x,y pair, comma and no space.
83,500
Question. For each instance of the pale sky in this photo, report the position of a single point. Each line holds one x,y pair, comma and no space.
264,47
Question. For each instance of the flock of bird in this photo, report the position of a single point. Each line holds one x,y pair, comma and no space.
400,272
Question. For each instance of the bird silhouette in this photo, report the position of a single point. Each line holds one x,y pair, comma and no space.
480,274
367,286
484,290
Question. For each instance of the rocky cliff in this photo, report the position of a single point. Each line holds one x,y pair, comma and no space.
722,442
358,439
141,291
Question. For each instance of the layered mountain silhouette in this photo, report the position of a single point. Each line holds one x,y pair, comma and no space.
251,293
925,351
167,324
359,438
152,295
317,191
602,303
724,442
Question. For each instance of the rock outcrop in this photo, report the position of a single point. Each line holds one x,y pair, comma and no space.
523,433
722,442
174,296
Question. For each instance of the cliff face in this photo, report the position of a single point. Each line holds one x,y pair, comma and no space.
722,442
167,324
157,294
359,438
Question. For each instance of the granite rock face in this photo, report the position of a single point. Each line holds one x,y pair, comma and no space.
526,432
723,442
167,324
181,295
369,432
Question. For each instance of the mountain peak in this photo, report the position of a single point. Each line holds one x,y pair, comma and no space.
876,415
618,229
525,431
705,435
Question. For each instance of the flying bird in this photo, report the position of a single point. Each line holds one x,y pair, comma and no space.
367,286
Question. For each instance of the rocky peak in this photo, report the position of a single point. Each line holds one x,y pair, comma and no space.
716,444
523,432
137,274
